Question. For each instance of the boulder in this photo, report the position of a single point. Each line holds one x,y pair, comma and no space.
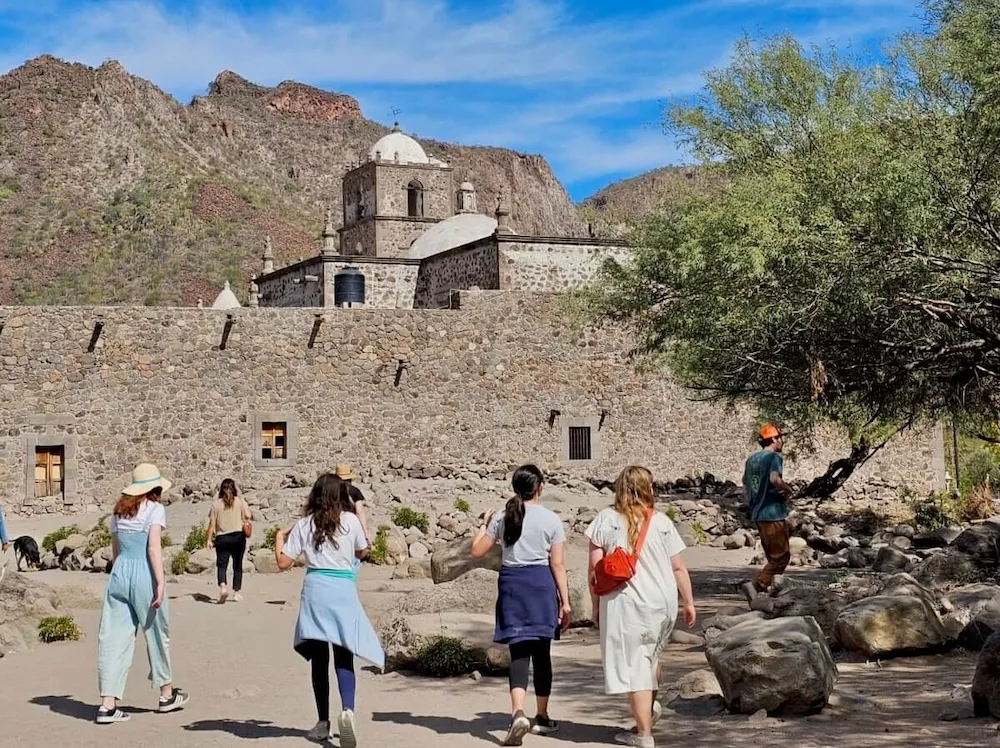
968,602
201,560
263,563
403,636
413,569
938,538
889,623
579,598
890,559
24,601
72,543
455,559
419,550
979,630
75,561
102,560
783,666
980,542
946,568
687,532
986,681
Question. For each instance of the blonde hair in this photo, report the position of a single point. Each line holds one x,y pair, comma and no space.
633,496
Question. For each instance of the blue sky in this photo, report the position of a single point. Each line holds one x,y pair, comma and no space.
582,83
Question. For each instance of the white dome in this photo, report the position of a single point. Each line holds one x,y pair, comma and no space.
467,187
453,232
409,150
226,299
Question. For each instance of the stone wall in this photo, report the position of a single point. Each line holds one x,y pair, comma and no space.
289,287
359,192
497,382
457,269
388,285
391,182
542,265
359,239
393,236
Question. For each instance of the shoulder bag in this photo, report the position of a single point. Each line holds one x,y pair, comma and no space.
247,524
616,568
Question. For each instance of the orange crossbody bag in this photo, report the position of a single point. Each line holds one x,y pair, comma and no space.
616,568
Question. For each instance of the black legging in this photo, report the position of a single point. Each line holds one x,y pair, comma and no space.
318,654
522,655
231,545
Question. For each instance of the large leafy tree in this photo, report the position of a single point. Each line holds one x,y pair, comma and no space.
845,265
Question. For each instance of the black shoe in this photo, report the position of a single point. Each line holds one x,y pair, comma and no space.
177,700
111,716
544,726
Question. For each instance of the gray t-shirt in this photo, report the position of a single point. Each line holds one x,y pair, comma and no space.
541,530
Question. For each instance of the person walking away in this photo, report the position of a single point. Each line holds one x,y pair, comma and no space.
766,493
347,475
4,539
532,594
330,537
637,616
228,523
135,597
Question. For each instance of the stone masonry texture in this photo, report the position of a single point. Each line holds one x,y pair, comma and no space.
476,385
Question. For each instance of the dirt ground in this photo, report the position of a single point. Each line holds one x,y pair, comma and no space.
246,683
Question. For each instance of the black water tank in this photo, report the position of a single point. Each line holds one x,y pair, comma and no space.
349,288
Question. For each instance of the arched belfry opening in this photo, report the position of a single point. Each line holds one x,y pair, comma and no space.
415,199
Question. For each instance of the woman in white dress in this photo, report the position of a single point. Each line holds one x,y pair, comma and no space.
636,619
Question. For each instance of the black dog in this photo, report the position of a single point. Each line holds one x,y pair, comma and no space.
26,548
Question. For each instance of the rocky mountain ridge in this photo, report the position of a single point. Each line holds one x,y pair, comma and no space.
113,192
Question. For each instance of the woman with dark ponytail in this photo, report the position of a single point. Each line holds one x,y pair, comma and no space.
532,594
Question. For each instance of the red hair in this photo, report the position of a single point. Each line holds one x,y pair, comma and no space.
128,506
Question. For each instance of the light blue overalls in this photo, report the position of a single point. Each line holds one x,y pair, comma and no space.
127,607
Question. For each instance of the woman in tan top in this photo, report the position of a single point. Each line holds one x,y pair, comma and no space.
226,522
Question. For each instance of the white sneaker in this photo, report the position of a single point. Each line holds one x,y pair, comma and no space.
110,716
348,733
223,595
630,738
321,732
237,597
657,713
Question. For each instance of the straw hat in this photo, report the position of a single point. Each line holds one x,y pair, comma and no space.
344,472
146,477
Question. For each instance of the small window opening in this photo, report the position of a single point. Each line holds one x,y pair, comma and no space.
579,443
415,199
49,471
273,440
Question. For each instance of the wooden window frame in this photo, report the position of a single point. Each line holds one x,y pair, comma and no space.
270,420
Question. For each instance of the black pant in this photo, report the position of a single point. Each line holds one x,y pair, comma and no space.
522,655
231,545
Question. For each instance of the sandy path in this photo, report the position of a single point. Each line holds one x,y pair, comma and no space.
247,684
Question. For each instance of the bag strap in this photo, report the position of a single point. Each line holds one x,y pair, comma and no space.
642,533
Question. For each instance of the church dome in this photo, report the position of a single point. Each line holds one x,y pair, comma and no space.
226,299
460,229
409,150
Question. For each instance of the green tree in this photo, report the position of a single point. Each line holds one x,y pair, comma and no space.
843,266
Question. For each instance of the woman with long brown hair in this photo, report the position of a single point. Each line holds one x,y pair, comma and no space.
228,522
635,605
135,597
330,537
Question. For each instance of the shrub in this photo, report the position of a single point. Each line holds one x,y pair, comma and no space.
700,533
179,564
196,539
671,512
271,537
50,540
58,629
100,537
166,541
404,517
379,552
979,467
461,505
444,657
936,510
981,503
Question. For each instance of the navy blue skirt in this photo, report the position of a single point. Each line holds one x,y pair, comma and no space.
527,605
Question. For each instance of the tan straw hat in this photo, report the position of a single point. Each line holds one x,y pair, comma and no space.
344,472
146,477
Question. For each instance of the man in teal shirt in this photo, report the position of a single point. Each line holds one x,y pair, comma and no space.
766,494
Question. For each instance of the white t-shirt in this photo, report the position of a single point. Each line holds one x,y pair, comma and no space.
540,530
150,513
350,539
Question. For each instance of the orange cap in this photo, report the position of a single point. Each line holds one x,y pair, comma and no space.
769,431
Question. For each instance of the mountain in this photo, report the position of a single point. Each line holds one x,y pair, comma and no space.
612,210
113,192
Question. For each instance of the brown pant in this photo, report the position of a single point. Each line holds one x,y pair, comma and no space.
774,538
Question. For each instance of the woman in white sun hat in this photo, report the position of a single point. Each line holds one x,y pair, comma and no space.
135,597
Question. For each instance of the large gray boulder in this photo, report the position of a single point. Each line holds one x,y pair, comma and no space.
947,568
783,666
404,636
455,559
200,561
981,542
24,601
965,604
986,681
889,623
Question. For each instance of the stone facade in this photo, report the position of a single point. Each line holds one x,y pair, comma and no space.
500,380
298,285
388,285
438,189
393,236
463,268
553,264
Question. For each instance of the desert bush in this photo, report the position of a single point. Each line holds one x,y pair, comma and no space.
100,537
166,541
980,504
701,534
461,505
180,562
940,509
196,539
671,512
58,629
379,552
271,537
50,540
405,517
444,657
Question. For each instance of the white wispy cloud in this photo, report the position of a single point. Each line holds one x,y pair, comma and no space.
530,74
